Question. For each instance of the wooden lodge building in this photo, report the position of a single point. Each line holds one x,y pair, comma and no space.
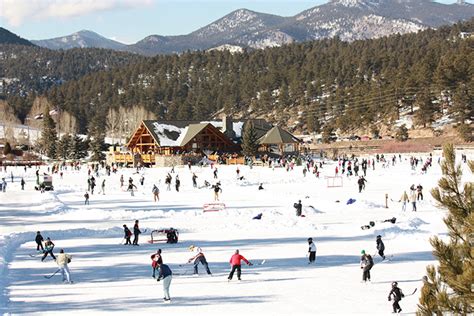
167,143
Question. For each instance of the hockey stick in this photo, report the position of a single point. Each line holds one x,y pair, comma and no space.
50,276
121,242
414,291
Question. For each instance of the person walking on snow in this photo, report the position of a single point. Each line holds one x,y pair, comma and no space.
48,249
39,241
198,258
380,246
194,180
419,192
217,190
366,263
404,199
62,261
136,232
128,235
299,207
103,187
311,251
235,263
397,294
166,275
121,180
22,183
86,198
156,193
156,259
413,200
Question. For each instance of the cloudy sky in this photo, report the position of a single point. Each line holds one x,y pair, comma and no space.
131,20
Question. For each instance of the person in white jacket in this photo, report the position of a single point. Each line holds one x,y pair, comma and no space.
62,260
413,200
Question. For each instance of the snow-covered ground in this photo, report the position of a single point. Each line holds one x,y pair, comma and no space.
114,278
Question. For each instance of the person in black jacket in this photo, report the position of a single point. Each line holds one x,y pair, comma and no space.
380,246
366,263
298,206
127,236
39,241
397,294
136,232
166,275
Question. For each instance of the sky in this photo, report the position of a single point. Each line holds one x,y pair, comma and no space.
129,21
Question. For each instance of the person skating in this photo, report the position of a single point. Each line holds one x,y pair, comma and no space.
235,263
194,180
404,199
39,241
198,258
22,183
361,182
311,250
156,259
413,200
217,190
419,192
156,193
128,235
299,207
62,261
380,246
136,233
397,294
177,183
366,263
166,275
121,180
86,198
48,249
103,187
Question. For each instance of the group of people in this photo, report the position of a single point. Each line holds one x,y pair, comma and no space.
62,260
128,234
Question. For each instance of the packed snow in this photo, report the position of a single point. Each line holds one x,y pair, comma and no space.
110,277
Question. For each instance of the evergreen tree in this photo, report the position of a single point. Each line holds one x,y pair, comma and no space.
402,133
64,146
79,148
249,140
426,108
7,149
49,136
451,283
96,137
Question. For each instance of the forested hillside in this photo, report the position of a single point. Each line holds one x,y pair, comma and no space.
329,82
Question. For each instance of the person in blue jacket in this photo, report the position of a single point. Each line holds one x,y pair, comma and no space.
166,275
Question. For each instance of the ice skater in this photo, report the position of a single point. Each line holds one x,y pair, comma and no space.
156,259
128,235
198,258
397,294
366,264
136,233
48,249
380,246
166,275
311,251
39,241
236,265
62,261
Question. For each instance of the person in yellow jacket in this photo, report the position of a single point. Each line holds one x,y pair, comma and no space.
404,200
62,260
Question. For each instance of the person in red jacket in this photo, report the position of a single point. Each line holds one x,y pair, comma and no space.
235,263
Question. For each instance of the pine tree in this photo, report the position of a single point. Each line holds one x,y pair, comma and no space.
79,148
64,145
96,137
49,136
402,133
249,140
426,110
452,281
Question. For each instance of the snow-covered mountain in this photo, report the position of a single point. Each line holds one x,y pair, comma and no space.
81,39
348,19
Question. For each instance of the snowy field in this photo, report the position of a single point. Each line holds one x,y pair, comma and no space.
111,278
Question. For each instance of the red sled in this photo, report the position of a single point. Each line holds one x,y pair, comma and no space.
213,207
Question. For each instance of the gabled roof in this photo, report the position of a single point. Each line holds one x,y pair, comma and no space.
277,135
190,132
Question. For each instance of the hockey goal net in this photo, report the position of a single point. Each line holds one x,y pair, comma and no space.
334,182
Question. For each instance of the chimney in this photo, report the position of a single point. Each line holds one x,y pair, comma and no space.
228,127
